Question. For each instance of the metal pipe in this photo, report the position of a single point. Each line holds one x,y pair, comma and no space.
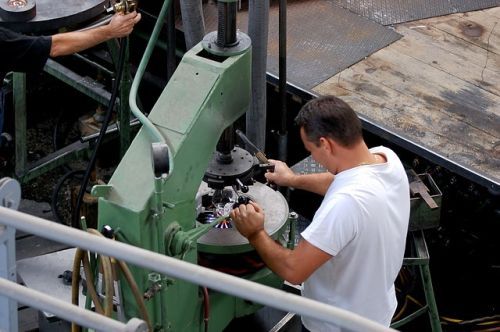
190,272
193,23
258,29
282,132
157,136
69,312
171,60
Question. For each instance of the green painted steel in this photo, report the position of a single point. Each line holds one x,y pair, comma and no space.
202,98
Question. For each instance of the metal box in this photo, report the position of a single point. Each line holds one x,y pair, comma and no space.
421,215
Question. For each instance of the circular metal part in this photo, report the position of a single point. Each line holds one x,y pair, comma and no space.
17,10
209,43
160,158
10,193
226,174
53,15
229,240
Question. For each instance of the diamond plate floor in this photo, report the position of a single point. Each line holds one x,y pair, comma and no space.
397,11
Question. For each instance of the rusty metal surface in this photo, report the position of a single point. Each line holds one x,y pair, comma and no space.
397,11
322,39
52,15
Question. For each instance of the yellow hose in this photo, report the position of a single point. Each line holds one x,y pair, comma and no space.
75,279
137,294
90,285
109,277
107,271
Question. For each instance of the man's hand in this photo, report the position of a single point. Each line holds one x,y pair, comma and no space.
122,25
248,219
282,175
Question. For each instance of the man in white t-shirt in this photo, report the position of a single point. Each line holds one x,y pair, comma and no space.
352,251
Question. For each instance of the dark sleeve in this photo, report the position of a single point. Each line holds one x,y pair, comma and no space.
23,53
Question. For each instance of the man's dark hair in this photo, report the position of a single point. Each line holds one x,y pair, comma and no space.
330,117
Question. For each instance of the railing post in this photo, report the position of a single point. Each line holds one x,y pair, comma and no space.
8,307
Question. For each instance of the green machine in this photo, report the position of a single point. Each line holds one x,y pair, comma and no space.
173,197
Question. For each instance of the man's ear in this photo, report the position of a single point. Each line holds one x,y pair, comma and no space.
328,144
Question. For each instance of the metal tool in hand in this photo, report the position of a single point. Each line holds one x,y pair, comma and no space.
264,162
123,6
252,148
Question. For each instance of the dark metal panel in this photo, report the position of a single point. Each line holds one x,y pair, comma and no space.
323,39
53,14
396,11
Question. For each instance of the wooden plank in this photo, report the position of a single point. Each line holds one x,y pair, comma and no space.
484,33
456,98
429,106
416,121
495,12
449,54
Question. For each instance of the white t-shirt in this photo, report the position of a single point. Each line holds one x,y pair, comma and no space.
362,222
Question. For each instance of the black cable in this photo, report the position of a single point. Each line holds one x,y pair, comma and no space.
55,194
75,222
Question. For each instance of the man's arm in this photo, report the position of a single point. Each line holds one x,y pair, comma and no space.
71,42
294,266
283,176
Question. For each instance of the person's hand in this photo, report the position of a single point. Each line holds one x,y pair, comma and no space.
282,175
248,219
121,25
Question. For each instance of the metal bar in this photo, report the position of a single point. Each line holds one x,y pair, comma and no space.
69,312
124,108
19,88
94,64
190,272
55,159
283,322
410,317
85,85
430,299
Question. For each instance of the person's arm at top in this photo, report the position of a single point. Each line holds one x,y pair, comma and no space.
71,42
283,176
294,266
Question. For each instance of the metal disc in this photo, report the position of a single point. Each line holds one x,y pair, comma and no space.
17,10
52,15
229,240
10,193
209,43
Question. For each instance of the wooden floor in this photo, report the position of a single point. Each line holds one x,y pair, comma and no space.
438,88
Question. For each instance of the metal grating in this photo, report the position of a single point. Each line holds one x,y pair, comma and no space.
322,39
396,11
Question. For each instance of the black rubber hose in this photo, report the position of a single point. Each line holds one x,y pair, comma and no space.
75,222
55,194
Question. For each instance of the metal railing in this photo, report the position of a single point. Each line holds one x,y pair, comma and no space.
190,272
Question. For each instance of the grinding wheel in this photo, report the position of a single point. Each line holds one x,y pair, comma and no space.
229,240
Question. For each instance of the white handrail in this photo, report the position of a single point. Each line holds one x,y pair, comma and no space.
70,312
191,272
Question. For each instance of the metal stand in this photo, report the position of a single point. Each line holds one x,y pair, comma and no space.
25,172
421,260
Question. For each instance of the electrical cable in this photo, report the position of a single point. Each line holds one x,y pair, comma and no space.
76,213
